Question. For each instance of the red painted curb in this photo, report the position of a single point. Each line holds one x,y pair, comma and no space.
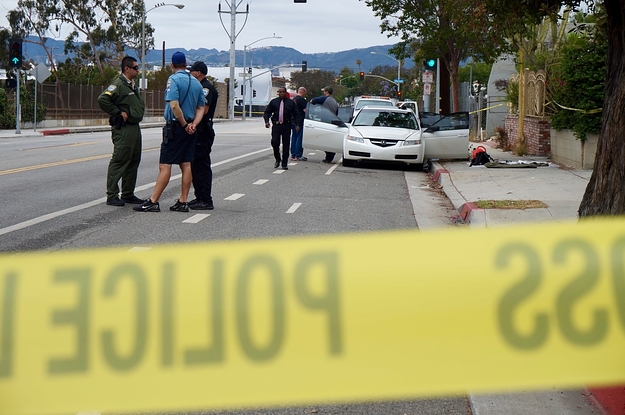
466,210
437,175
611,401
56,132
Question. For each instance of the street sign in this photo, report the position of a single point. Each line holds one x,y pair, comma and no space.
427,89
41,72
399,81
428,77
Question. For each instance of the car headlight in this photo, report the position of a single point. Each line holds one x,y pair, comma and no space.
355,138
413,142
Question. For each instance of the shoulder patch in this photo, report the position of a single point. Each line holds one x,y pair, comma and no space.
168,86
206,92
111,88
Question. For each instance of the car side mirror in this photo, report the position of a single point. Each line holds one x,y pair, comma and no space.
338,123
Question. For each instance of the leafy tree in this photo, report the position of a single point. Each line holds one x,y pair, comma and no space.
451,30
33,18
5,35
313,81
476,71
578,82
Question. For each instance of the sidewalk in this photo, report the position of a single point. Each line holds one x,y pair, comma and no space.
561,189
31,133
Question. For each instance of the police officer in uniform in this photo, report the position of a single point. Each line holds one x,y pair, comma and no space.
201,164
123,103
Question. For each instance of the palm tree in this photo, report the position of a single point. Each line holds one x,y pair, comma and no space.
358,62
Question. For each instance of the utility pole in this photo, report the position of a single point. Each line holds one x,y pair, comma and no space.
233,37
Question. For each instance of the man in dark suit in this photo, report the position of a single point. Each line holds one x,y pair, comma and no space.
283,112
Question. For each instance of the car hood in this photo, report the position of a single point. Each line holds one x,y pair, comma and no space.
383,132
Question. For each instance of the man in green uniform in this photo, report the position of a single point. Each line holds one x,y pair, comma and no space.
123,103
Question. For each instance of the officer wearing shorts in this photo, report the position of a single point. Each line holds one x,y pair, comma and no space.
184,109
201,164
123,103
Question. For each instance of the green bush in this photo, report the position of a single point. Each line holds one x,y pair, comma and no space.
7,111
579,83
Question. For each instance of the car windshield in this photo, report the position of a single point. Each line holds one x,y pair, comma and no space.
377,102
384,118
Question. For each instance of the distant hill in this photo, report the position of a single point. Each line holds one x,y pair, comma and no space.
269,56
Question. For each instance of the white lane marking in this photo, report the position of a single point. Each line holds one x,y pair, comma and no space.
292,164
312,154
196,218
279,171
260,182
293,208
96,202
139,249
235,196
334,166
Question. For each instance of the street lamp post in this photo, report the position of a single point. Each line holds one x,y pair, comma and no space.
398,69
143,85
245,74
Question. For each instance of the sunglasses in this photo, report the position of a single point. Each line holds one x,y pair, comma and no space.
136,68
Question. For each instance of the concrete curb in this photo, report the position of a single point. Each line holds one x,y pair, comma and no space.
468,211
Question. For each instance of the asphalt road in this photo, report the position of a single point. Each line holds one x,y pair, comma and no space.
54,192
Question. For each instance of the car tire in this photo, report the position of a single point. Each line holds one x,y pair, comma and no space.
349,163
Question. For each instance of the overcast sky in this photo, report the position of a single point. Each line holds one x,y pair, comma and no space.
313,27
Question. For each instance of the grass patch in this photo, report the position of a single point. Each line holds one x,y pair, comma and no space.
510,204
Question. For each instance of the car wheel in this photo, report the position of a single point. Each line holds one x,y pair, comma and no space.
349,163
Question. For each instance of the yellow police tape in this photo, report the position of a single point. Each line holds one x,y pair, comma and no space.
316,319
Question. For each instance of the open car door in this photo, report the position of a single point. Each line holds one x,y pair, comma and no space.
323,130
448,137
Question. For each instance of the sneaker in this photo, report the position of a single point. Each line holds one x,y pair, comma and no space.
193,202
302,158
179,206
133,200
294,159
148,206
276,164
114,201
285,167
201,205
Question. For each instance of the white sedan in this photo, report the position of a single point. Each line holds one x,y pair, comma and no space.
386,134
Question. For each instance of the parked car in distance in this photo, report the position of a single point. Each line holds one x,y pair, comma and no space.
386,133
408,105
363,102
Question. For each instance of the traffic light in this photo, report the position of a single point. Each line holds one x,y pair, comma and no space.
16,59
399,94
430,64
253,92
10,83
362,76
304,66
